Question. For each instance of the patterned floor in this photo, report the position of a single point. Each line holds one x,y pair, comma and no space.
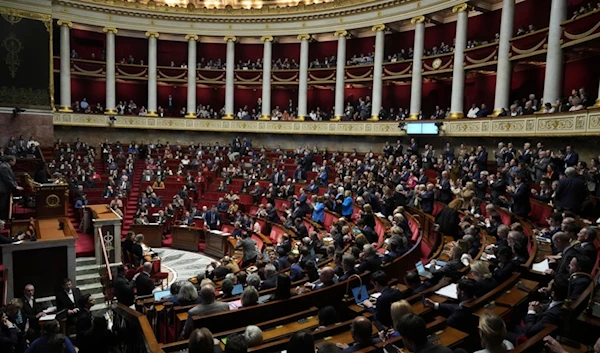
182,265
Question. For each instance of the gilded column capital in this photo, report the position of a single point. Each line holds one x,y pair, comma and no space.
65,23
378,28
230,39
193,37
417,20
341,33
461,8
150,34
303,37
110,30
266,38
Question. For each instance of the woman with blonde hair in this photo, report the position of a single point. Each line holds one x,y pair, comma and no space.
492,332
397,310
483,278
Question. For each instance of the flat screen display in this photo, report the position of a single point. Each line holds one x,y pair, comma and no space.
421,129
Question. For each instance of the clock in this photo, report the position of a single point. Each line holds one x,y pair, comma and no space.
52,201
437,63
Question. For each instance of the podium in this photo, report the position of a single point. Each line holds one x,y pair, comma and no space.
216,243
152,233
51,201
186,238
106,227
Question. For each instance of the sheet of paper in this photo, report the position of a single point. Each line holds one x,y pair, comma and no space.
448,291
541,266
48,317
50,309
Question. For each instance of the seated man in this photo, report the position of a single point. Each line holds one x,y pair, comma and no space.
458,316
579,283
208,306
362,332
414,335
383,308
414,283
450,269
348,266
326,278
586,237
143,280
370,260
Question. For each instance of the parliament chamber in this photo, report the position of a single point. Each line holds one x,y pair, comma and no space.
203,176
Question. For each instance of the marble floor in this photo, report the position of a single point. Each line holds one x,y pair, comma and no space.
182,265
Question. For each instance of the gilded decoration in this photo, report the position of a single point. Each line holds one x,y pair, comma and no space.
13,47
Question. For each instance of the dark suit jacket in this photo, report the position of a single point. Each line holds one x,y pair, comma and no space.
371,264
427,202
63,301
562,267
589,250
445,191
84,323
571,159
8,181
482,158
269,283
458,316
383,309
536,323
570,193
448,220
501,274
29,312
521,205
450,270
124,290
144,284
578,286
484,286
432,348
347,275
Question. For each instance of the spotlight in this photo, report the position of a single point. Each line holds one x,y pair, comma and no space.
402,126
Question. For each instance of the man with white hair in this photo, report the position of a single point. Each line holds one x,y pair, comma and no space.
571,191
253,336
271,277
370,260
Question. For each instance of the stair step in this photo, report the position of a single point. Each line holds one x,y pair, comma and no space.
85,261
91,288
87,269
88,279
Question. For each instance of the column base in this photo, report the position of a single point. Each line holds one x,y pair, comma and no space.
496,112
336,118
456,115
227,117
300,118
265,117
110,112
191,116
413,117
374,118
65,110
152,113
597,104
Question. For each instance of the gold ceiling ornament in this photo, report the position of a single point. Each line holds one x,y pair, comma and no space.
152,34
266,38
378,28
461,8
418,19
230,39
193,37
304,37
65,23
340,33
13,14
13,47
110,30
12,19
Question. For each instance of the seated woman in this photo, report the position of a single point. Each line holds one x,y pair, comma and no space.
483,278
188,295
283,288
158,183
327,317
492,332
398,309
249,297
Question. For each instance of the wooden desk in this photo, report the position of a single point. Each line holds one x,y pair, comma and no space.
288,329
512,297
420,309
186,238
152,233
216,243
492,308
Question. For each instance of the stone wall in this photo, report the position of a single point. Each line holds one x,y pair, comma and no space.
29,123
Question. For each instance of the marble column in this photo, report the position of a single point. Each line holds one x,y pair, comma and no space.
339,75
65,66
504,69
266,80
416,87
229,77
458,74
377,93
111,100
191,79
553,79
303,77
152,58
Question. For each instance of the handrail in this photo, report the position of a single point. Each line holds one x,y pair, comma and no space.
105,254
4,286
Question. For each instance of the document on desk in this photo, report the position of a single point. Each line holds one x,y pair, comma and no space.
541,266
48,317
448,291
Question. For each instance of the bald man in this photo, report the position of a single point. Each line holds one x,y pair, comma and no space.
143,281
208,306
362,332
327,278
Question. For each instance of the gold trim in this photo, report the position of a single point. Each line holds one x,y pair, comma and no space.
110,29
227,117
65,23
300,118
481,61
151,113
374,118
230,39
413,117
127,74
581,35
303,37
336,118
65,110
266,38
597,104
191,115
265,117
340,33
496,112
460,8
378,28
26,14
193,37
358,77
456,115
110,112
400,73
152,34
530,50
417,20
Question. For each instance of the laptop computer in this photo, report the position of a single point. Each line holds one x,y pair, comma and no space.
159,295
360,294
237,289
422,271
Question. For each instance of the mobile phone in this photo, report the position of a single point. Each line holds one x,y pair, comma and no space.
390,348
379,326
423,300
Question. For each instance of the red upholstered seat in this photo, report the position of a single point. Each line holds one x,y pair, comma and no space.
259,243
539,212
276,233
262,224
227,228
329,219
437,207
308,226
253,209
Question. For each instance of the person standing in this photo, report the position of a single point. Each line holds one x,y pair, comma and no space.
8,183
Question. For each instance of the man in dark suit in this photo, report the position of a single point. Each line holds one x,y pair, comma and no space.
450,269
213,220
272,215
520,197
571,191
68,299
458,316
448,153
123,289
300,228
348,267
562,243
84,317
414,283
143,281
278,178
498,186
427,199
271,277
8,183
482,157
571,157
414,335
299,175
383,308
371,261
445,188
413,148
170,105
367,231
579,283
361,330
31,310
586,237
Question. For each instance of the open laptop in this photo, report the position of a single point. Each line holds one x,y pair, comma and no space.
422,271
360,294
237,289
159,295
